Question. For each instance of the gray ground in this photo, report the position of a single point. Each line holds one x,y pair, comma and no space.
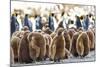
90,57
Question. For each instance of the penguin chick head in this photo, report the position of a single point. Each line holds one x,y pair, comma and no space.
59,31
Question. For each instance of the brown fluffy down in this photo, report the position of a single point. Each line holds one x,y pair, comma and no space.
23,55
25,28
53,35
47,30
18,34
15,45
91,39
67,40
82,44
37,45
67,53
73,46
71,32
58,46
48,44
15,33
11,56
67,44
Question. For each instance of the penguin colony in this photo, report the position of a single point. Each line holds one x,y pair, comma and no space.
30,47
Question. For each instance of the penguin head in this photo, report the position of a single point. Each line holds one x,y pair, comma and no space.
59,31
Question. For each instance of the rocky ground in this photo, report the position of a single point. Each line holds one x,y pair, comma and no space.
88,58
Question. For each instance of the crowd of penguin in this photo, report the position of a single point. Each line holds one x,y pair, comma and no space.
36,46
